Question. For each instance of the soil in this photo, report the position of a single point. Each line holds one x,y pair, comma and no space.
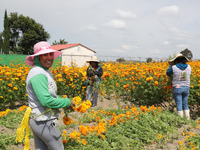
111,103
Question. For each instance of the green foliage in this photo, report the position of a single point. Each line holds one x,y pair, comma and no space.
187,53
1,41
62,41
149,59
172,56
11,120
6,140
6,35
131,133
25,33
120,59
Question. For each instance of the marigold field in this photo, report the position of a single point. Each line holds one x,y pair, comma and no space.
144,123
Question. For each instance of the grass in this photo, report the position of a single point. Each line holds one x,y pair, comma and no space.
130,128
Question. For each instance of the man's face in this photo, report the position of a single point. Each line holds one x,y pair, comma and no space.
93,64
46,60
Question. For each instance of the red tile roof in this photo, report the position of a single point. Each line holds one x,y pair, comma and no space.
66,46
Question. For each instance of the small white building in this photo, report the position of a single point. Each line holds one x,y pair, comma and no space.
76,53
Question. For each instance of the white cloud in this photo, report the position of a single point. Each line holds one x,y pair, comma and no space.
117,24
155,51
129,47
126,14
118,50
89,27
166,42
92,27
181,35
169,10
182,45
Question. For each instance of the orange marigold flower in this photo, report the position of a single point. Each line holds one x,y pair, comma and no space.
64,141
103,137
67,120
156,83
180,142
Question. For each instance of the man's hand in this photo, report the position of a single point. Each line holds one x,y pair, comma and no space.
72,105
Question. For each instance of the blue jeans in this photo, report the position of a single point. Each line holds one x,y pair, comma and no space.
181,95
92,95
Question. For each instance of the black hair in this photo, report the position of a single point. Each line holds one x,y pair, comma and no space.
182,60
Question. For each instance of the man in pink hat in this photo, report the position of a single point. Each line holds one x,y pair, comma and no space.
42,94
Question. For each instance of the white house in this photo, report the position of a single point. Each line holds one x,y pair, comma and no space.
76,53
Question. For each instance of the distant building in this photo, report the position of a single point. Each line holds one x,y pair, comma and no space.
76,53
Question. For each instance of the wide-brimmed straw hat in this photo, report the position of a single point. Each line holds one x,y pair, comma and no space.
39,49
93,59
178,55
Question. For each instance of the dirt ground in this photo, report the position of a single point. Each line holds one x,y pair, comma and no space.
111,103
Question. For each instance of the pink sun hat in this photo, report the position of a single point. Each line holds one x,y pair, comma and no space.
39,49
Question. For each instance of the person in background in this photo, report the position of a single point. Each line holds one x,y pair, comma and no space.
94,73
181,83
42,94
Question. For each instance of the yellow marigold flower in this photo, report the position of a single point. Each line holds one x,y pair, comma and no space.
84,142
160,136
59,76
15,88
19,74
10,85
180,142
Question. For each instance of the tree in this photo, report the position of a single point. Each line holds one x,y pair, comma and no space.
61,42
187,53
25,33
6,35
149,59
120,60
1,42
172,56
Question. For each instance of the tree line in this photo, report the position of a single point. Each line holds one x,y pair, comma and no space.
21,33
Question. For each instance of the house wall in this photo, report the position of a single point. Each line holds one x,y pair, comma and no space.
78,55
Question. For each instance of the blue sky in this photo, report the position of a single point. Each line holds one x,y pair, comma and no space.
121,28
